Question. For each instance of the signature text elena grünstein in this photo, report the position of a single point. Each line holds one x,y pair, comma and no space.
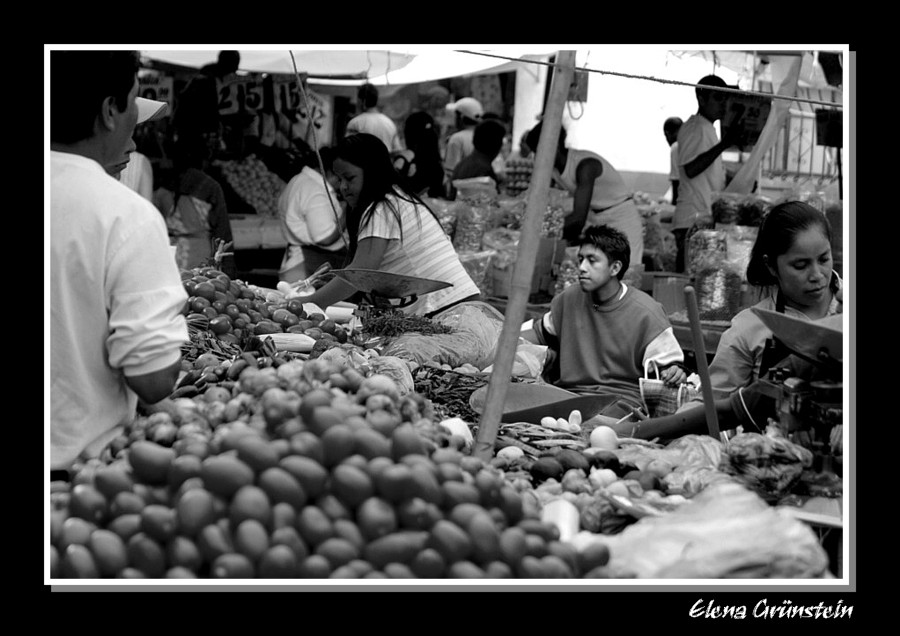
763,609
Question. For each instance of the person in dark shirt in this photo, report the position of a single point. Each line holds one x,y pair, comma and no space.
487,141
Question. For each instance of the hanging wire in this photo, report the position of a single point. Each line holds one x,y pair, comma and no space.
309,112
736,91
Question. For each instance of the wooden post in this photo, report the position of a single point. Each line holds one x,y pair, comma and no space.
709,402
529,240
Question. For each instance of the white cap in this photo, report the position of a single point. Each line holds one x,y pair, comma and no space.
468,107
150,109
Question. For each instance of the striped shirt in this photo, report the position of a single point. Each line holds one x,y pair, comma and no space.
425,251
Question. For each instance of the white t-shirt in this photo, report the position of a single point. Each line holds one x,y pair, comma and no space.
115,304
138,175
697,135
459,146
425,251
377,124
308,207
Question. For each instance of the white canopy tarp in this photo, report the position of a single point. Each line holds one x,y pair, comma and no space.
336,66
313,62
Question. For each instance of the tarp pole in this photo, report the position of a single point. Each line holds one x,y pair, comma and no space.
529,241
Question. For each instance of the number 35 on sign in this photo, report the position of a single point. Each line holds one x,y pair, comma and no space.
241,94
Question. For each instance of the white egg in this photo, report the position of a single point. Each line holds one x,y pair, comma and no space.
604,437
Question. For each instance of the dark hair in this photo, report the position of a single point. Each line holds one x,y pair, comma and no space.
776,235
709,80
380,179
228,62
533,136
672,124
488,137
79,82
368,95
420,134
611,242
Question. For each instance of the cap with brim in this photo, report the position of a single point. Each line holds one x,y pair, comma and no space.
150,109
468,107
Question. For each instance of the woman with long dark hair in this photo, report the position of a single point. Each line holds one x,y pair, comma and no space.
791,266
420,164
392,230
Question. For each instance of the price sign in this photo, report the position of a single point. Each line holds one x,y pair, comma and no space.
242,93
749,113
287,95
156,87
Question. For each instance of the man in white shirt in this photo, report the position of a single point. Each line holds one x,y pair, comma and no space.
137,173
700,169
116,327
373,121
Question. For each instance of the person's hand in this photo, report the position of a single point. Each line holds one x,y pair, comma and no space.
673,375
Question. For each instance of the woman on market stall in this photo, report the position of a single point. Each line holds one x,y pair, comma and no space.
601,195
792,268
312,218
392,230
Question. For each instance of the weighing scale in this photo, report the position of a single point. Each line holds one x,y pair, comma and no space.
807,410
384,292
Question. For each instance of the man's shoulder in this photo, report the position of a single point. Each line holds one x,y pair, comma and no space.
644,300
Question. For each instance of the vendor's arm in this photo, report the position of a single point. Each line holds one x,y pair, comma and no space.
585,175
667,353
687,422
735,362
705,159
153,387
369,254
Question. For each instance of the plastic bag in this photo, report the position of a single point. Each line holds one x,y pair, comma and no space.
478,264
726,531
476,188
739,241
704,246
445,211
476,329
719,287
472,221
529,360
505,243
